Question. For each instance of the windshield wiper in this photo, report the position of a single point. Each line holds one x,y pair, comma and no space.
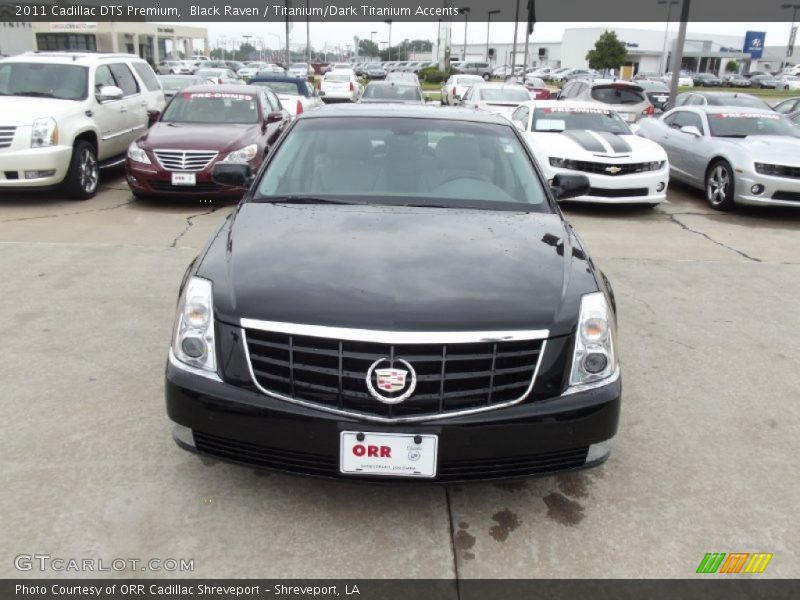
34,94
301,199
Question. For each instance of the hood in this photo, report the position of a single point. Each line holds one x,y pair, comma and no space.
781,150
594,145
192,136
24,110
398,268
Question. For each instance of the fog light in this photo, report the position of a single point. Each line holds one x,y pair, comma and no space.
183,434
193,346
39,174
660,187
599,451
595,362
757,189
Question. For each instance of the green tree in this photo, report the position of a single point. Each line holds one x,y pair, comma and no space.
732,67
608,52
368,48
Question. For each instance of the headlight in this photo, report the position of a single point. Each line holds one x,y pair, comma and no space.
193,338
594,358
768,169
562,163
245,154
137,154
44,133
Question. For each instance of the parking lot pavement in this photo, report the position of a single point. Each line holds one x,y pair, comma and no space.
704,460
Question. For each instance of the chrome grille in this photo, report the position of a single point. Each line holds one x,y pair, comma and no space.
451,378
185,160
6,136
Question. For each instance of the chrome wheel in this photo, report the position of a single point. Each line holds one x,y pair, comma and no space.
717,185
88,173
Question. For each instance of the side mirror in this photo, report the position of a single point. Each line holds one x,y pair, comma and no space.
321,93
108,93
232,174
152,116
566,186
274,117
691,130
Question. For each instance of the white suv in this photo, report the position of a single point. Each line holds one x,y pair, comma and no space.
65,115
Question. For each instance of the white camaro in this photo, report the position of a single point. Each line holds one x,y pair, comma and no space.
588,138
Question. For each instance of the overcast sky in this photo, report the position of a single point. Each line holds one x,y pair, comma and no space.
333,34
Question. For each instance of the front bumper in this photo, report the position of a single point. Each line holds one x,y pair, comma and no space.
152,180
778,191
639,188
15,162
244,426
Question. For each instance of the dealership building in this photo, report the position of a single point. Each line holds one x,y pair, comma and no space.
151,41
648,49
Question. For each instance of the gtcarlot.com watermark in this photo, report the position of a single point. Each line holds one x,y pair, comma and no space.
48,563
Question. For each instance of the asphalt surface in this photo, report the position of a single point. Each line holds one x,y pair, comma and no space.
705,460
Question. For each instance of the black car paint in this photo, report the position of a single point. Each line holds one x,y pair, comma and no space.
452,269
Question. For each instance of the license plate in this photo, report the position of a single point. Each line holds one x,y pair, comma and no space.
183,179
628,117
390,454
661,98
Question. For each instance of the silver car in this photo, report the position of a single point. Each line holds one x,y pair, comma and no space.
498,98
628,100
735,154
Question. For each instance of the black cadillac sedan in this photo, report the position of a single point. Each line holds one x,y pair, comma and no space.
397,298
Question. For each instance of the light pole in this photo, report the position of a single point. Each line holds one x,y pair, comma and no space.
465,10
389,23
790,45
247,39
371,33
488,23
662,67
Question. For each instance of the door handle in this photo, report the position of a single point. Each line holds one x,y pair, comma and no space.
144,102
123,109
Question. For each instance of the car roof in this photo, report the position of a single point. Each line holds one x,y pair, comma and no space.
81,58
498,84
736,109
414,111
229,88
278,77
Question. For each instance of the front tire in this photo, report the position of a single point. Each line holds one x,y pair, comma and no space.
720,185
487,76
83,175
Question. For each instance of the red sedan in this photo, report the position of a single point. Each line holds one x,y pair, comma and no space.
201,126
537,88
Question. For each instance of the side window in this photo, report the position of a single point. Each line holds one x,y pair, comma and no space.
230,74
669,121
567,91
147,76
125,79
102,78
521,115
273,104
685,117
449,82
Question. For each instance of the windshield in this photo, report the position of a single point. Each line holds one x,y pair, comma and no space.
64,82
212,72
398,160
729,124
337,77
566,118
374,66
212,107
533,81
616,95
287,88
505,94
392,93
299,66
468,79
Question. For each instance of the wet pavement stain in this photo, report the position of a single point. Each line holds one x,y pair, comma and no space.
511,486
507,522
464,541
575,485
463,525
563,510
